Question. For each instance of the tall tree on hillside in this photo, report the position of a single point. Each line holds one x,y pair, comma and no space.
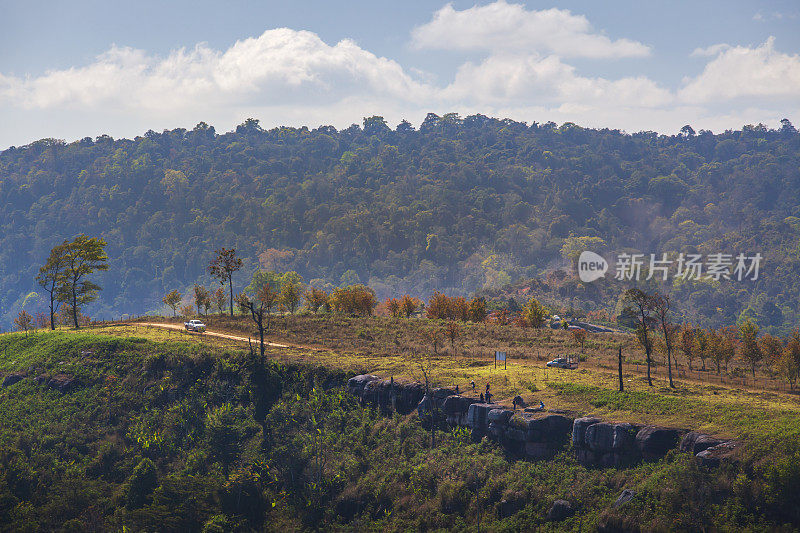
50,276
260,309
84,256
662,306
751,351
172,299
222,268
641,303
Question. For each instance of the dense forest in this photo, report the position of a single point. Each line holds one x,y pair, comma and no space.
458,205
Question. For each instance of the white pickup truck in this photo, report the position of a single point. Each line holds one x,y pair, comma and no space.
194,325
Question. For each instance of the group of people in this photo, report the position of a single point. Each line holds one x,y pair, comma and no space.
487,397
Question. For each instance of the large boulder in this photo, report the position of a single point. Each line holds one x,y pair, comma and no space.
694,442
455,409
392,395
498,420
541,427
713,456
14,377
579,429
478,418
356,384
62,382
625,496
560,510
599,437
654,442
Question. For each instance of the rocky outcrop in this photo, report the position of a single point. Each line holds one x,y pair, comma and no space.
455,409
386,394
439,396
532,435
539,434
654,442
606,444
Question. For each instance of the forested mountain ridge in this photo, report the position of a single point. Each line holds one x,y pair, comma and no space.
459,205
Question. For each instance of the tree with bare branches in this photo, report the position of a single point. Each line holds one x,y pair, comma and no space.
640,304
222,268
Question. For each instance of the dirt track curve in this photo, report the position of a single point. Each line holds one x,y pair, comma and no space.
210,333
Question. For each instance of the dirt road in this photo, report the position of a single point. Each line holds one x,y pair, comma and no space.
210,333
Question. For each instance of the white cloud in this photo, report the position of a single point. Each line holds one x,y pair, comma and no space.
710,51
530,78
741,72
503,26
282,64
287,77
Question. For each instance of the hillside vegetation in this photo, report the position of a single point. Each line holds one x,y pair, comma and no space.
159,433
460,205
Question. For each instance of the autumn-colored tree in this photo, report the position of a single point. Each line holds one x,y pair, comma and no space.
579,335
222,268
218,299
502,316
51,276
459,309
172,299
393,307
452,331
434,338
714,348
438,306
535,314
408,305
315,298
789,364
202,298
187,310
41,320
750,350
83,256
701,345
23,321
687,343
727,345
354,299
291,289
477,309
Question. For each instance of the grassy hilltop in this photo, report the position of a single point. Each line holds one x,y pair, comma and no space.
162,430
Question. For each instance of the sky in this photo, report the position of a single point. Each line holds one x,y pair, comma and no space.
69,70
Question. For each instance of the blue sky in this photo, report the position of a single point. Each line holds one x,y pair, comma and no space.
79,69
